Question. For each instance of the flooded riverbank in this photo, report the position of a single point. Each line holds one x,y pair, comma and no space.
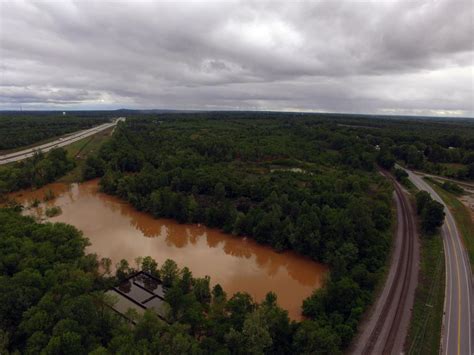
116,230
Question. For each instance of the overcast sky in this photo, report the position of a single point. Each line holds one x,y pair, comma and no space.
384,57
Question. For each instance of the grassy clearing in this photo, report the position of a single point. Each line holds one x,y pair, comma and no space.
88,145
424,333
461,215
451,169
80,150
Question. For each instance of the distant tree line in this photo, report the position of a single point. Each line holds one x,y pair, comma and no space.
430,151
19,129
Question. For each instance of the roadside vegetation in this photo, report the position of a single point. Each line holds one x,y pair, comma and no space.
462,216
81,151
424,334
62,164
430,212
34,172
452,188
402,177
22,129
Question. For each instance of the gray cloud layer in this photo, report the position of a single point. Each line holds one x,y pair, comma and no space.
408,57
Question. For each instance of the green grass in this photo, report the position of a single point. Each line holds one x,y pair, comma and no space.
462,216
88,145
424,334
80,150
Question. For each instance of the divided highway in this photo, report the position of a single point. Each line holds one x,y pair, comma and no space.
457,332
385,331
60,142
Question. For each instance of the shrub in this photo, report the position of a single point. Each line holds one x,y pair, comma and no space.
53,211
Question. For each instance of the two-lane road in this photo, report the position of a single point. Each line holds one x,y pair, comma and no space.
60,142
457,329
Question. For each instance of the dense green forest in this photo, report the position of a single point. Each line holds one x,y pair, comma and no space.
53,302
294,181
19,129
36,171
440,148
291,183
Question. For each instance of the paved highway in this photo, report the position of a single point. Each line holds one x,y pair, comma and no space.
384,332
60,142
457,332
462,183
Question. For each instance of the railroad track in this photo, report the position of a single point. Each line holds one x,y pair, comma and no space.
388,333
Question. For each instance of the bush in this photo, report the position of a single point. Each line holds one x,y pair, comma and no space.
53,211
48,195
35,203
452,187
400,174
422,198
431,212
432,217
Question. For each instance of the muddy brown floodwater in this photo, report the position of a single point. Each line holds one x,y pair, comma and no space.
116,230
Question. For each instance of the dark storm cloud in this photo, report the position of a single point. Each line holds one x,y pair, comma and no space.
351,56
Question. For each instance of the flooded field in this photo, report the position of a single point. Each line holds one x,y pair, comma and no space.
116,230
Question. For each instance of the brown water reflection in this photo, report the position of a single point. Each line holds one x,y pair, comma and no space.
118,231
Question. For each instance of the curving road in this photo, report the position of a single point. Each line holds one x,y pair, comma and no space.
457,332
60,142
386,329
